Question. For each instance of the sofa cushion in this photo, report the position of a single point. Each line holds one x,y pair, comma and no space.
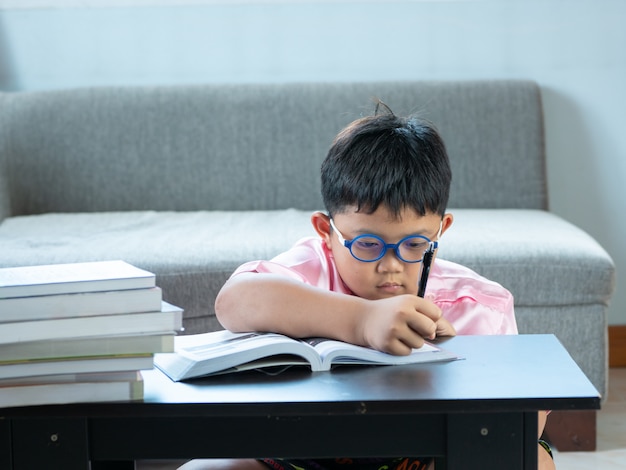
544,260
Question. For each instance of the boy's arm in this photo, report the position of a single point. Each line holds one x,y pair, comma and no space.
270,302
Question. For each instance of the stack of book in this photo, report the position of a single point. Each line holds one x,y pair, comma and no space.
80,332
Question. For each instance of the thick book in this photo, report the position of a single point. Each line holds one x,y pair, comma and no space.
95,276
72,388
222,352
37,368
83,304
170,318
90,346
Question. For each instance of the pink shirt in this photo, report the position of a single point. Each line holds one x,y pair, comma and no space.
473,304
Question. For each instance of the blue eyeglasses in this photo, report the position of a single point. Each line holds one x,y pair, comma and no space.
369,248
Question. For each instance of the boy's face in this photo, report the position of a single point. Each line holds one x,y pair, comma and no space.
388,276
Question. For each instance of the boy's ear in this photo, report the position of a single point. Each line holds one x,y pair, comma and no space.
446,222
321,224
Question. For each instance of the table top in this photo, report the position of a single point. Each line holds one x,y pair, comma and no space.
493,368
496,373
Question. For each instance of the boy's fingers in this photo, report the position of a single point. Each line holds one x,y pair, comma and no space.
426,307
445,328
421,326
424,321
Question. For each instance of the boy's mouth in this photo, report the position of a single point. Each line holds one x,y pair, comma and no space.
391,287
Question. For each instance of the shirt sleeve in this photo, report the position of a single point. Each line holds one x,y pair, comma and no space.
308,261
473,304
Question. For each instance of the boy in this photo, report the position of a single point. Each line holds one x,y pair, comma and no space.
385,186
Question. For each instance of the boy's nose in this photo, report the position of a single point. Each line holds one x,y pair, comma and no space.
390,262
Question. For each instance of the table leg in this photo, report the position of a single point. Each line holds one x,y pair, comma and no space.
492,441
5,444
49,443
531,430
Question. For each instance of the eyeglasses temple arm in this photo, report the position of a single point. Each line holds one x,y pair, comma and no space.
339,235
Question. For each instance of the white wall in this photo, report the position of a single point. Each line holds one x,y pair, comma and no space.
575,49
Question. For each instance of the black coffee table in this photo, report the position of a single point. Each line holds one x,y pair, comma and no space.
476,413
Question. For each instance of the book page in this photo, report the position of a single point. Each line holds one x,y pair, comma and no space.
338,352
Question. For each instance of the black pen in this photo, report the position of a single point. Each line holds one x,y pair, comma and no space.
426,262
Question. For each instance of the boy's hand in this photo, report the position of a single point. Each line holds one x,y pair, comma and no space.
398,324
445,328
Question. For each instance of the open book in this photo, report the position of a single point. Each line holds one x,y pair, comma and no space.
221,352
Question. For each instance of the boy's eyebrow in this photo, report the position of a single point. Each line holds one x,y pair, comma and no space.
423,233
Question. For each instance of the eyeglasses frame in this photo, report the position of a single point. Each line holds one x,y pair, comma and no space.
432,244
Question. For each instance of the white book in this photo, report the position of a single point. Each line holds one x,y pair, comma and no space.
25,281
162,342
90,365
221,352
83,304
170,318
72,388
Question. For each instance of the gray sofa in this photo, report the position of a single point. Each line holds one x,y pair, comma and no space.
191,181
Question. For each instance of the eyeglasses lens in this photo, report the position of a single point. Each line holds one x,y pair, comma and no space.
371,248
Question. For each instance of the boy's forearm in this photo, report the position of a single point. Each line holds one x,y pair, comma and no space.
267,302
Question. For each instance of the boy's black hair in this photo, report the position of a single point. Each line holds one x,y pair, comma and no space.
399,162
